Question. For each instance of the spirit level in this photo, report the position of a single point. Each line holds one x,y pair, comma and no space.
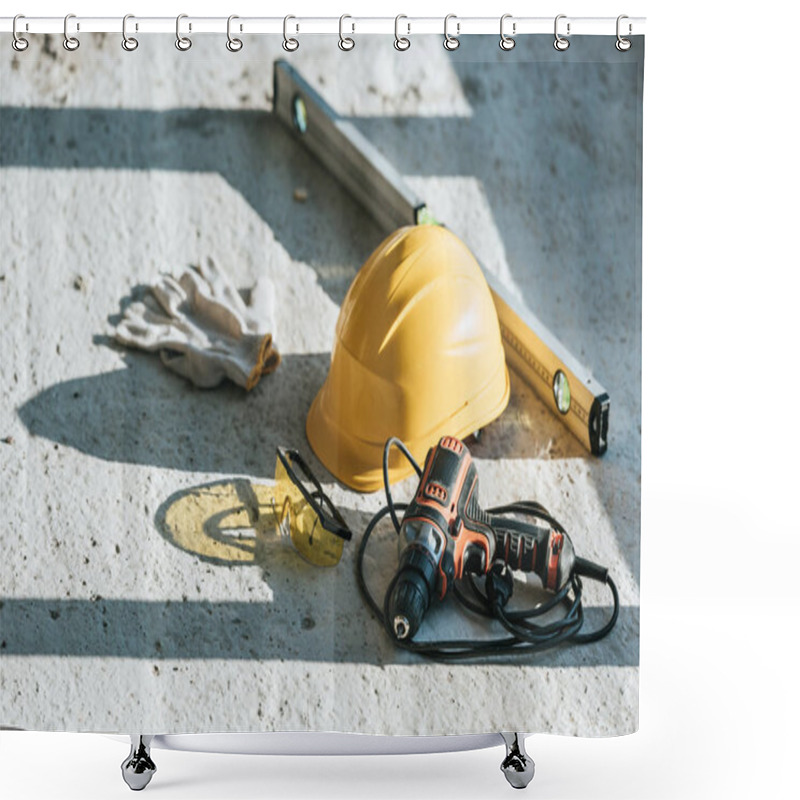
531,349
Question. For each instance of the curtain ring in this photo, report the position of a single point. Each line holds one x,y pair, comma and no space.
183,43
346,43
451,42
289,44
560,42
18,42
507,42
401,42
70,43
128,42
622,44
233,44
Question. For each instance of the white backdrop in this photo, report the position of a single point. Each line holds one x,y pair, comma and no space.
719,699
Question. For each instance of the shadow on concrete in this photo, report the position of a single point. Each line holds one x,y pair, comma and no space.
199,629
179,630
145,414
251,150
221,522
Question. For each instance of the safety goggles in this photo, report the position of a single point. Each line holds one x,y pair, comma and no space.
305,515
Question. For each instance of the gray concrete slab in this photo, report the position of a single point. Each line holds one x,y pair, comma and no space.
116,166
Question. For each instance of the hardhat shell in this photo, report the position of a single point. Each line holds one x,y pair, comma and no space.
417,354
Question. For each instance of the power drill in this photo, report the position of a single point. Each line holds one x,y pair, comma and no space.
445,535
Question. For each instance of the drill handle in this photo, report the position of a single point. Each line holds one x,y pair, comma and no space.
527,547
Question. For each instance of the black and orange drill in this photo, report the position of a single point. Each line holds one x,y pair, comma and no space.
445,535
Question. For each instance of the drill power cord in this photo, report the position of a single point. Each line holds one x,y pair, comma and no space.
525,636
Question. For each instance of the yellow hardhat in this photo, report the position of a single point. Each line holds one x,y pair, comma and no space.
417,355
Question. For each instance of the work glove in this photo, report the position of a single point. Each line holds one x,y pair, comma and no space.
203,329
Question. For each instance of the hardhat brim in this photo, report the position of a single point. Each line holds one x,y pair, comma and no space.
358,463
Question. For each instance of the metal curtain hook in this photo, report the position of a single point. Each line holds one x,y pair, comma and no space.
346,42
560,42
18,42
233,44
507,42
622,44
70,43
128,42
183,43
451,42
401,42
289,44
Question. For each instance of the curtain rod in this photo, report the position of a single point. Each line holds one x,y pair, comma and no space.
349,25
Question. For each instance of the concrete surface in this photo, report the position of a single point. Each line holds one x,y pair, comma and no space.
115,166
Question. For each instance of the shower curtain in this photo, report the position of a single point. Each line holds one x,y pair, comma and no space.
126,604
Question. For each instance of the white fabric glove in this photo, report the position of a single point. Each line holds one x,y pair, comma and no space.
202,327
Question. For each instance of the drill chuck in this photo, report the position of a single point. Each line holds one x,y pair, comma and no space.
408,603
411,592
